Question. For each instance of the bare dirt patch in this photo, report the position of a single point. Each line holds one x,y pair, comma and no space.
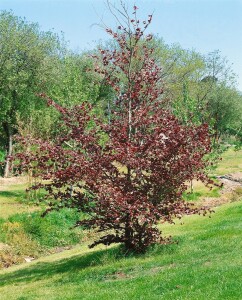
231,184
120,275
4,246
12,181
161,268
117,276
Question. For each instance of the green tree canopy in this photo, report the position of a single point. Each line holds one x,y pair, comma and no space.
27,57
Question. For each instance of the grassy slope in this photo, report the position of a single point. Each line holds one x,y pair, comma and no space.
205,264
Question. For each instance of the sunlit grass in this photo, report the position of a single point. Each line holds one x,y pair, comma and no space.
231,162
13,200
200,190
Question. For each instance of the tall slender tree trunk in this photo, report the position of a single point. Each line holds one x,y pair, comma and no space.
7,167
128,235
130,118
191,186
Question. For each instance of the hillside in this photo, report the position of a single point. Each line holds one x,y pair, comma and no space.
205,263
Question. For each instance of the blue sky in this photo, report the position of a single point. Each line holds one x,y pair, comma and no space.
204,25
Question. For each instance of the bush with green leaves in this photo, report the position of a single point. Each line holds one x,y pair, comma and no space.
52,231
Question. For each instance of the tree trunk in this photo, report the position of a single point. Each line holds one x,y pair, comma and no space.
191,185
128,236
7,167
130,119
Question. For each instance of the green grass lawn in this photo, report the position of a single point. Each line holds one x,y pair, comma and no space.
205,264
200,190
231,163
13,200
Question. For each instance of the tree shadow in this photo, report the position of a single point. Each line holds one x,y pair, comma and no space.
44,270
10,194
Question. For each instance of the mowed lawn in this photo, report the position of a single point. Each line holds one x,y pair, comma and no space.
205,264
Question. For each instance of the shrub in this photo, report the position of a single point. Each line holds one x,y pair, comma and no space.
52,231
19,240
9,258
28,234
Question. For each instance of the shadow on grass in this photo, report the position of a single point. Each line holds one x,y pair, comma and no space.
70,266
44,270
10,194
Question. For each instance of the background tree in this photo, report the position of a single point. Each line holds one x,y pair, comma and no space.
77,81
194,84
205,92
26,61
224,109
